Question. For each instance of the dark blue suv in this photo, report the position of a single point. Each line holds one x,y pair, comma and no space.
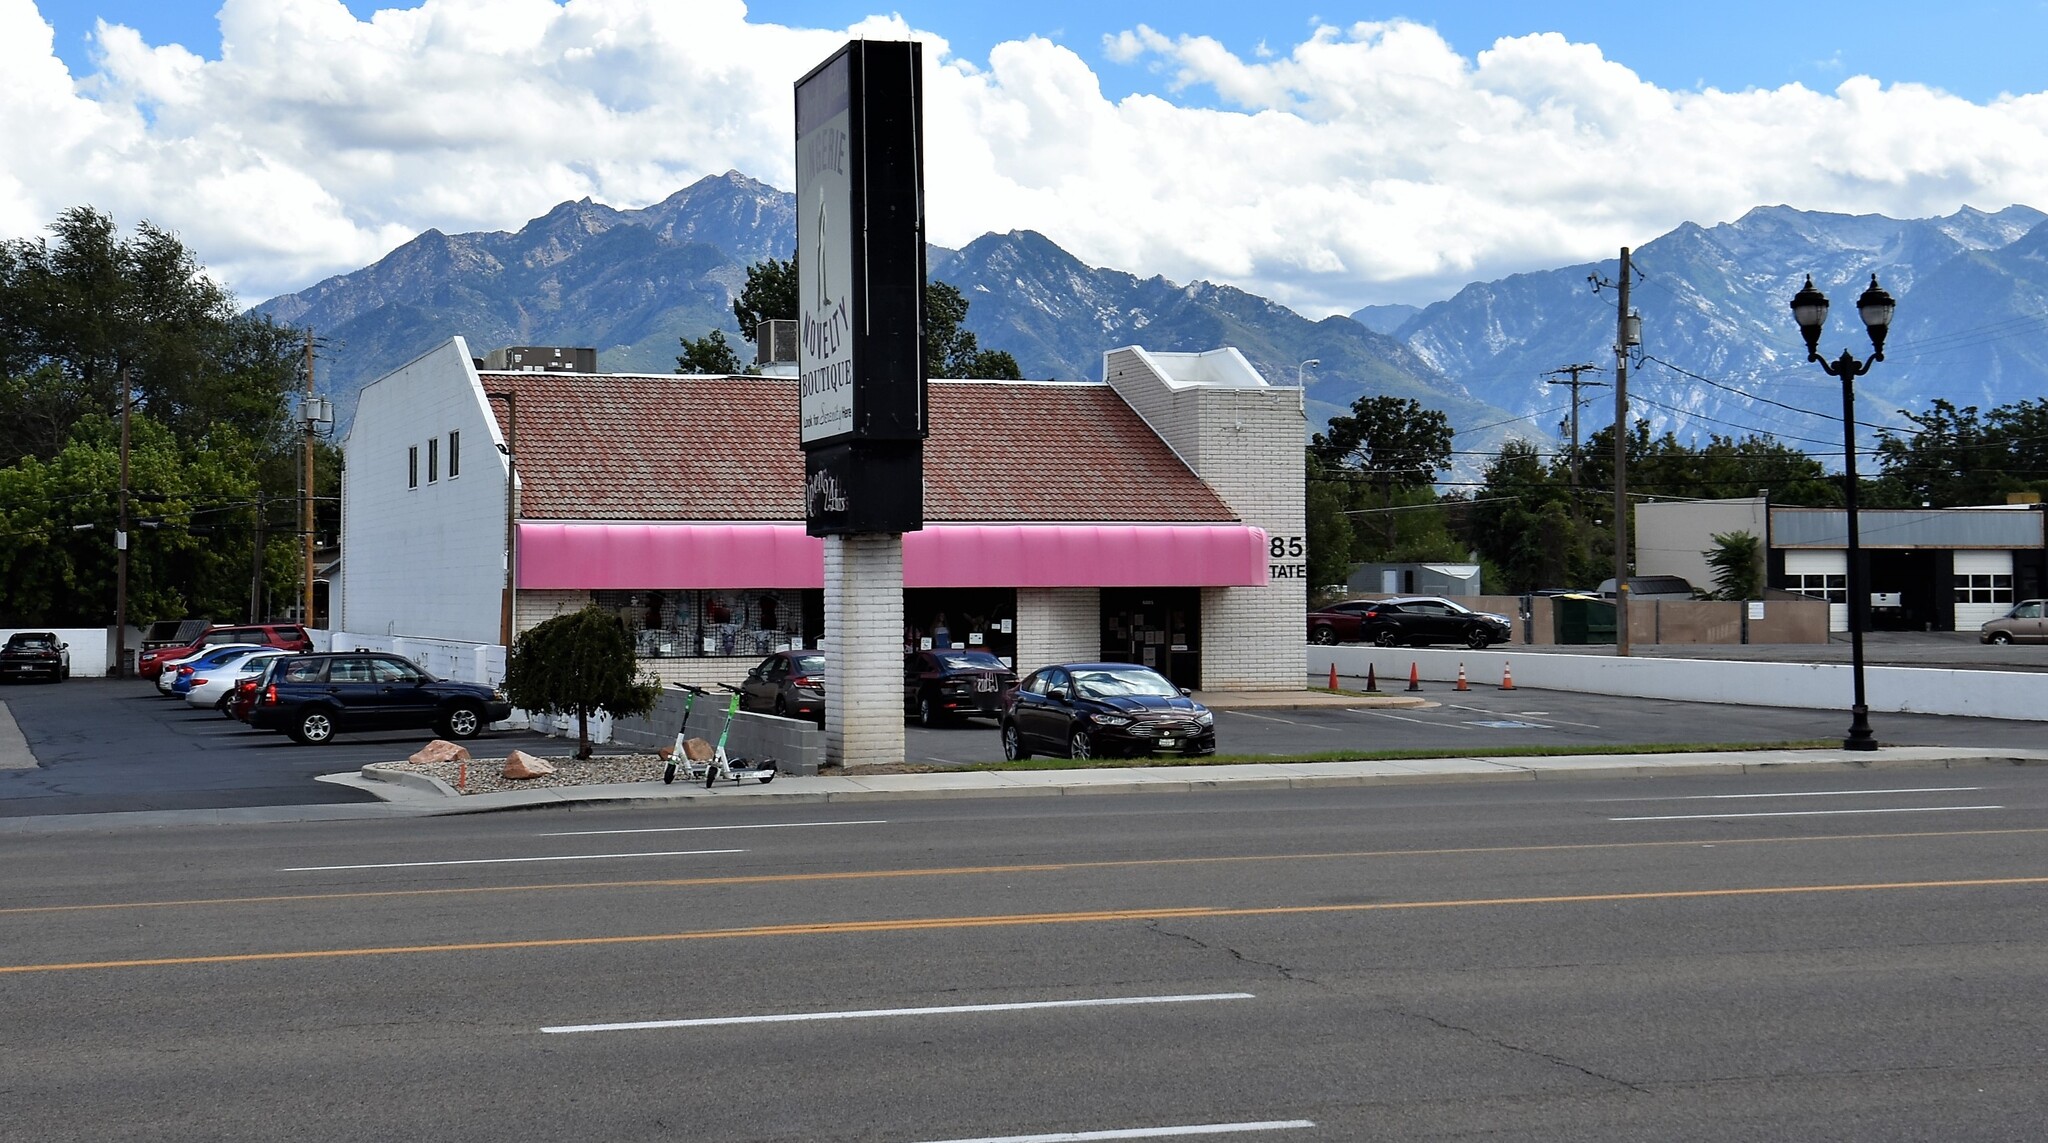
314,697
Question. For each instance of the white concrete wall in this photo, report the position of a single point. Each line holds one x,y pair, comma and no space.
92,648
427,561
864,640
1244,441
1806,686
1057,625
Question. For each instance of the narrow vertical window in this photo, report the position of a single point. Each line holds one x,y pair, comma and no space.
412,467
433,459
454,455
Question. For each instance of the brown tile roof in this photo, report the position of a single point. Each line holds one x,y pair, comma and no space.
618,446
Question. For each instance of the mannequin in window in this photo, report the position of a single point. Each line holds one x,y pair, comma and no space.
941,638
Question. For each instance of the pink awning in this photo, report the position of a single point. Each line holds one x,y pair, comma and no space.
644,557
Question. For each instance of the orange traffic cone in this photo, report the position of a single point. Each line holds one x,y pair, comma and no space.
1461,679
1372,681
1333,676
1414,677
1507,676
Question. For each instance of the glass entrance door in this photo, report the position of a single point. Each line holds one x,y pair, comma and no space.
1158,627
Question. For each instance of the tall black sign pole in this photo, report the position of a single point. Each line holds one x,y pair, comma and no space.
860,370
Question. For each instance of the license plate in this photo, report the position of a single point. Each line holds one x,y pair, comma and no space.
1166,742
984,684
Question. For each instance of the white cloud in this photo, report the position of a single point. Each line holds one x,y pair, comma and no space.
1365,163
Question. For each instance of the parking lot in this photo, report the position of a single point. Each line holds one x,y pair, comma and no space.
105,745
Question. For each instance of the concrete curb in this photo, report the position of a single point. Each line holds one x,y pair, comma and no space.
421,794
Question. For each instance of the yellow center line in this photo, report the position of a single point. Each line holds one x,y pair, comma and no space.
911,924
984,870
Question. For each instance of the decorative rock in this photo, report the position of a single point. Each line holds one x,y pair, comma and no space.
521,765
441,751
697,750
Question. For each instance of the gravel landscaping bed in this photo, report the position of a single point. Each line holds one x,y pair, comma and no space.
604,769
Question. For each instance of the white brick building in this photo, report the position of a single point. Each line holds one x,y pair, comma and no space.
1155,516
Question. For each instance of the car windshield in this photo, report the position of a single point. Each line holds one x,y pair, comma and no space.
1134,683
969,661
31,640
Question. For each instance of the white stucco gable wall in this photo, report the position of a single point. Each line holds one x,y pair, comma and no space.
425,561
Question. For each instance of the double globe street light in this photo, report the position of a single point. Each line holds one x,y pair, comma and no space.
1810,310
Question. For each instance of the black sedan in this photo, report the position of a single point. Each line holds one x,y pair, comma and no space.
314,697
939,686
1425,619
1100,710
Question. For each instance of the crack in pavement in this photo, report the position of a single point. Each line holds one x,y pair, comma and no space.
1285,972
1540,1054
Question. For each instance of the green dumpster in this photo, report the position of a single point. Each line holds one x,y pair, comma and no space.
1581,619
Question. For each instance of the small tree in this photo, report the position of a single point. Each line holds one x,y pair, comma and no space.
1738,563
579,662
710,355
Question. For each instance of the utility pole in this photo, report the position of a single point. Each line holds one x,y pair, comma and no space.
306,493
1574,382
1622,341
256,566
121,539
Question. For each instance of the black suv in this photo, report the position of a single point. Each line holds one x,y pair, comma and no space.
313,697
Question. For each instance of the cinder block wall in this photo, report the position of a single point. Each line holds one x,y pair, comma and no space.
1057,625
798,746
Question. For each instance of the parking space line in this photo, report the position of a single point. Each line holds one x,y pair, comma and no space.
1402,718
505,860
1260,717
877,1013
1804,814
703,829
1145,1132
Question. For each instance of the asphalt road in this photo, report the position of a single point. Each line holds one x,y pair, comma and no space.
107,745
1826,957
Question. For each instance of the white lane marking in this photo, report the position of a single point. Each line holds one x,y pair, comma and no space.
1395,717
873,1013
1804,794
505,860
698,829
1804,814
1143,1132
1261,717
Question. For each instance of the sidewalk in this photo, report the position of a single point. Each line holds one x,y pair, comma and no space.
421,795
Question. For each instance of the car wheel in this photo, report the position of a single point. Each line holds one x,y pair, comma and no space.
1078,745
1387,638
1323,636
2002,638
464,721
314,728
1477,639
928,712
1013,743
781,707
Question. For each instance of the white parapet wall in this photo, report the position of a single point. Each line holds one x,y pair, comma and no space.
1807,686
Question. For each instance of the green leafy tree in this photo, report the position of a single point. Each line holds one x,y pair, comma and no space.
1522,522
950,350
580,662
1954,457
1394,445
710,354
79,306
1330,536
1738,562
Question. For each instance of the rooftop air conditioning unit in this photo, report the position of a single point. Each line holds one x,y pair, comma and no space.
775,343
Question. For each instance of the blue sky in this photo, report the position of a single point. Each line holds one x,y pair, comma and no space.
1328,159
1973,48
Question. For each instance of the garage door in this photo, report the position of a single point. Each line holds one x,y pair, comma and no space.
1983,587
1822,575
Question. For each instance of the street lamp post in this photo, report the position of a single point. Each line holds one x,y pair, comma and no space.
1301,380
1810,310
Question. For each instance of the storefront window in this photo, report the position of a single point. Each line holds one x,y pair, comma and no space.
717,623
972,618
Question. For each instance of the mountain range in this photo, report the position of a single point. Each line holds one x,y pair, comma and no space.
1720,352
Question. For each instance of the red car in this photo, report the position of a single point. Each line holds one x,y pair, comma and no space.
290,636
